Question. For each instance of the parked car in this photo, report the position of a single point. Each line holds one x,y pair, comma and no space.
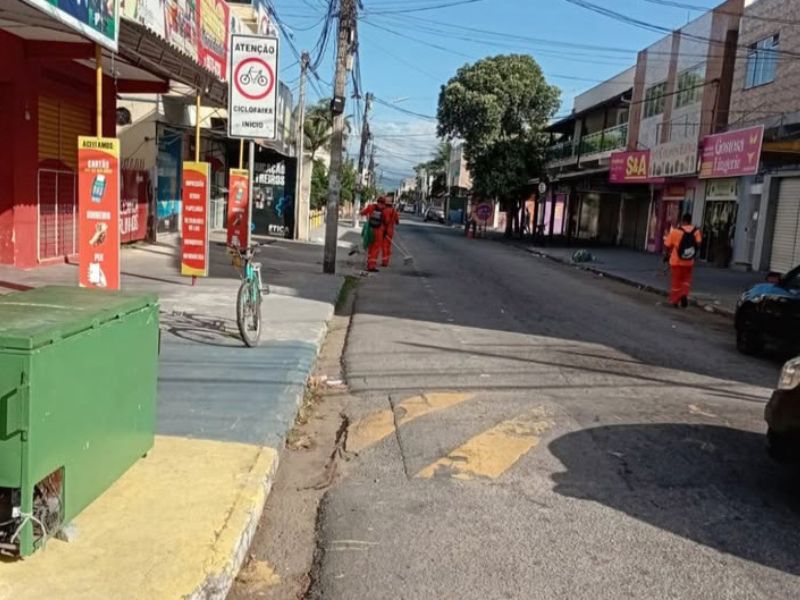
434,214
783,415
770,313
410,208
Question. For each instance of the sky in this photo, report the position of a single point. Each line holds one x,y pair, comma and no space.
409,48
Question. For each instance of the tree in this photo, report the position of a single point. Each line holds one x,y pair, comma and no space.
318,127
348,182
319,185
499,107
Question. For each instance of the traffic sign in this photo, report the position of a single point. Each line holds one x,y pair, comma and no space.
542,188
253,87
484,211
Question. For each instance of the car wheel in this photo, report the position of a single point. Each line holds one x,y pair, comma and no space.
783,447
748,341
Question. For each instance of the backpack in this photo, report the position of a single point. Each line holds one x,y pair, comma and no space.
687,249
376,218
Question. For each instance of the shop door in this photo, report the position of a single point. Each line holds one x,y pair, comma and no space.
785,239
635,211
60,123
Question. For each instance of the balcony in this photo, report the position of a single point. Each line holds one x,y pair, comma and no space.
560,151
614,138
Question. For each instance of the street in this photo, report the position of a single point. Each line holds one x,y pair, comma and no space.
521,429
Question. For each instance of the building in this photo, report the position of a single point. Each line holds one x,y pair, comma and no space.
459,183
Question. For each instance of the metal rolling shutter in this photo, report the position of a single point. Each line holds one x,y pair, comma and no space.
786,237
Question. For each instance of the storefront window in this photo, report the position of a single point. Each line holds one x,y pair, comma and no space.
168,196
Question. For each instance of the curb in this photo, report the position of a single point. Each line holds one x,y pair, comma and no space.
706,306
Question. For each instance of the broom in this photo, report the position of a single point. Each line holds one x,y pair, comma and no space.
407,258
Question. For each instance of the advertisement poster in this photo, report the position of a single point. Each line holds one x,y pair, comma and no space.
253,89
194,224
181,25
98,206
674,159
631,167
97,20
135,190
732,154
213,51
238,208
150,13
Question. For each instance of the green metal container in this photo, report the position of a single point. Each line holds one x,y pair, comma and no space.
78,377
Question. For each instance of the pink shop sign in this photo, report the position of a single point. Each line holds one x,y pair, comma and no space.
731,154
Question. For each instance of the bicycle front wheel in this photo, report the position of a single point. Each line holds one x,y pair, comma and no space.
248,312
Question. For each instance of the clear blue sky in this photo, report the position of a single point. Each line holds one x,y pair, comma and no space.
410,72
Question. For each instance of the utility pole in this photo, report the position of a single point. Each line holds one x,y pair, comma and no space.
371,167
301,208
365,135
347,14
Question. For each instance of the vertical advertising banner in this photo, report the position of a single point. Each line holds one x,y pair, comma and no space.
98,206
238,208
194,225
214,17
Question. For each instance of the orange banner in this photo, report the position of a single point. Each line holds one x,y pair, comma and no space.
194,223
238,208
98,205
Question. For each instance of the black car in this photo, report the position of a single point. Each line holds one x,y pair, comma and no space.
770,313
783,415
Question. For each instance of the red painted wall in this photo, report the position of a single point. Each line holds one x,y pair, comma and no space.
21,83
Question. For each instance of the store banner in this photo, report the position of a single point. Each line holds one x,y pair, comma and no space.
238,208
630,167
194,223
674,159
135,190
214,27
150,13
732,154
98,21
98,206
253,89
181,26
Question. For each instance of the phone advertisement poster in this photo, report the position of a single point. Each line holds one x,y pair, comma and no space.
238,208
98,204
194,223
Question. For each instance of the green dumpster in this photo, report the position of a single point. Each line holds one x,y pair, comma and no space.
78,376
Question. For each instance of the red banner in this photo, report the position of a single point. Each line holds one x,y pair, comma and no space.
732,154
630,167
134,207
194,224
238,208
98,205
213,19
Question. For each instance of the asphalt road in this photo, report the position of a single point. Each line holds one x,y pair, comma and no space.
522,429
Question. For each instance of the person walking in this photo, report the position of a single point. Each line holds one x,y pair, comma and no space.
682,245
391,218
375,221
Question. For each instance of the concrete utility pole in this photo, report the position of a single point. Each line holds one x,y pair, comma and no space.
301,208
365,135
347,14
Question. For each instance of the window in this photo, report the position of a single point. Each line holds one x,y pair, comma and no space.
654,99
762,62
690,86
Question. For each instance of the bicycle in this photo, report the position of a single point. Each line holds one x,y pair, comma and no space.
250,76
248,300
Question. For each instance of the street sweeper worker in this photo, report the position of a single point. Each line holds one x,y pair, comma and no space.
375,221
390,218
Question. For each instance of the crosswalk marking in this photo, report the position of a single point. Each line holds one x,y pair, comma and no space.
492,452
379,425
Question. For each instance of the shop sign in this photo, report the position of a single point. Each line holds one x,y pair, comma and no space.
98,205
253,89
732,154
722,189
214,22
98,21
674,159
238,208
135,188
630,167
150,13
181,26
194,223
272,175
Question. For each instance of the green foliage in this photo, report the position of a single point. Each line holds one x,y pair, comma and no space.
319,185
438,164
348,182
499,106
318,127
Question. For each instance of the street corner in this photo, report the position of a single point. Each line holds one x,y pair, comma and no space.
177,525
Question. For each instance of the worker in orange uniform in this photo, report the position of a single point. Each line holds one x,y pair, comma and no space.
682,244
375,218
390,218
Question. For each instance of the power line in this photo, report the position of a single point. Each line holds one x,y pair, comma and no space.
403,110
704,9
424,8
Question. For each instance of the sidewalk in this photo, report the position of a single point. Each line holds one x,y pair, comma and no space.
179,523
717,289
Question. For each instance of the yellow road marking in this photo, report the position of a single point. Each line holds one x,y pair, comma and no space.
375,427
493,452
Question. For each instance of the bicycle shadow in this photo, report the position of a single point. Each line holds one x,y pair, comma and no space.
202,329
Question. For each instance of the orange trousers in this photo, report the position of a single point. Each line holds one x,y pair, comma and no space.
681,284
375,248
387,247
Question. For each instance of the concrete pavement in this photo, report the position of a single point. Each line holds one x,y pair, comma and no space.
523,431
178,524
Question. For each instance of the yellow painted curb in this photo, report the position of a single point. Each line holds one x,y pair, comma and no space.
177,525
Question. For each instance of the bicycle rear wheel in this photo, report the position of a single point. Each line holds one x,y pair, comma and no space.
248,312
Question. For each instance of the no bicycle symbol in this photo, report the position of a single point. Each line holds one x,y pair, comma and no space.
254,78
484,211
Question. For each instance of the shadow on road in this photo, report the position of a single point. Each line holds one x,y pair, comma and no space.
710,484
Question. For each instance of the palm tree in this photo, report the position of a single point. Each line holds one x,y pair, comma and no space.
319,127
